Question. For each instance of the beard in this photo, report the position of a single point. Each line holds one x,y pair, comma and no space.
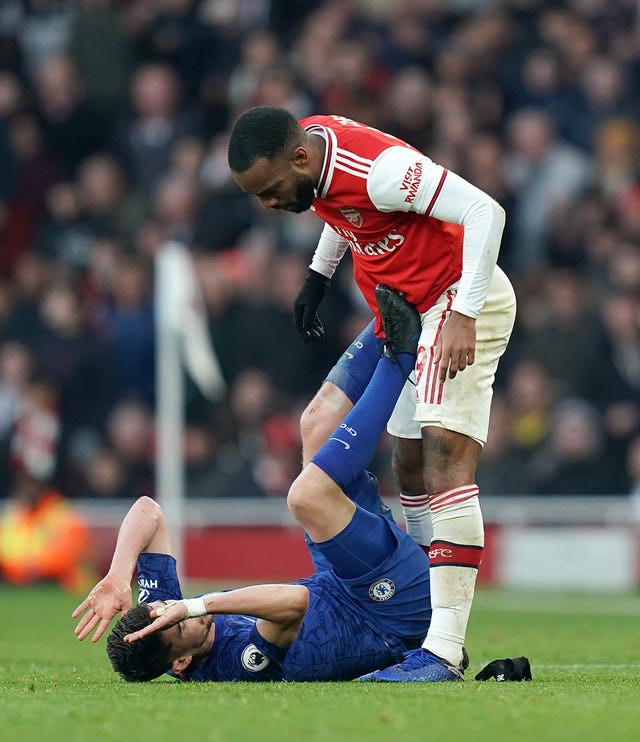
305,193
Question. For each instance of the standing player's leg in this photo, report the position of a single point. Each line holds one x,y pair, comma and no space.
408,472
454,417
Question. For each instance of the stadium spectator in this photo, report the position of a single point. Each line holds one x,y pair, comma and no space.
109,207
30,277
124,320
145,136
177,199
603,98
16,368
540,84
72,128
78,361
615,382
35,171
129,436
176,34
239,444
615,152
104,475
116,461
531,397
43,30
617,378
16,365
410,112
224,218
546,175
65,236
503,468
575,459
104,53
259,54
42,537
565,336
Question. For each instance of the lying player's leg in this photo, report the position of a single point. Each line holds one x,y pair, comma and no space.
364,492
342,388
317,496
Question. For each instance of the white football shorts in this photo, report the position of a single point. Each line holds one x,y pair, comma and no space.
461,404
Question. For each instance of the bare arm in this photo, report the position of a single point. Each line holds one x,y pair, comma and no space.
280,610
143,528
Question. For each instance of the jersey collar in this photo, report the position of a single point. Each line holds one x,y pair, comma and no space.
331,146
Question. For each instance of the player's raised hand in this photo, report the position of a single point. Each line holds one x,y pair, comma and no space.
109,597
163,616
456,345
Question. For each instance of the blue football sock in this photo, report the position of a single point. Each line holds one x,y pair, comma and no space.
352,444
361,546
356,365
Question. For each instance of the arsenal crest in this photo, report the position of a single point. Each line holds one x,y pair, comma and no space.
353,216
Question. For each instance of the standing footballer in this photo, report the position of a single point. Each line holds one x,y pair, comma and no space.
415,226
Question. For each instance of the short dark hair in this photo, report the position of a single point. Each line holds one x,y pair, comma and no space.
264,131
139,661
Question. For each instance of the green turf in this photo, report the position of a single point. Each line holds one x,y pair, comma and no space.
584,651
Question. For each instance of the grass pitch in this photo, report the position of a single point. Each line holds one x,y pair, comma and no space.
584,652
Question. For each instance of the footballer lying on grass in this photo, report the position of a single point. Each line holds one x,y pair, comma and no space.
364,609
338,624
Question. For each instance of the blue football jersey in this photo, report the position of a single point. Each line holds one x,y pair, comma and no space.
351,627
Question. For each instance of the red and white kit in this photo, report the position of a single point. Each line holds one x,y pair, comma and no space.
420,228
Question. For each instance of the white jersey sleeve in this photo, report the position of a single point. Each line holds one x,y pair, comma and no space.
404,180
329,252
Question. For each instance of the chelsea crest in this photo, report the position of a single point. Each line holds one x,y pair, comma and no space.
382,590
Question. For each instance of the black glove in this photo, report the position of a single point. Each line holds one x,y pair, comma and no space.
517,669
305,316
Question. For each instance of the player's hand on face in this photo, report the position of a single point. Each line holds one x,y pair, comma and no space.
456,345
164,616
108,598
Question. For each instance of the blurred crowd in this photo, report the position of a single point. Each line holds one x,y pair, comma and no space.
114,118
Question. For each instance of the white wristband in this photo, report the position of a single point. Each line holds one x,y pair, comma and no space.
195,606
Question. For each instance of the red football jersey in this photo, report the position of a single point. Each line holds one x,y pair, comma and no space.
411,251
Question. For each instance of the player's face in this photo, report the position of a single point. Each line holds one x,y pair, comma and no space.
188,636
277,184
